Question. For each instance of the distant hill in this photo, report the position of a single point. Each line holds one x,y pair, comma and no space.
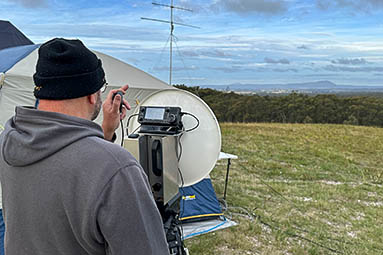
317,87
366,110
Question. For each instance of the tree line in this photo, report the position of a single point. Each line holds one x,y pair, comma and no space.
292,108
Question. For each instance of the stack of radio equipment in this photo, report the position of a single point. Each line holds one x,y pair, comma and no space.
178,143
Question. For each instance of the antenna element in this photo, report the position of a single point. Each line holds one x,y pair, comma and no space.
172,23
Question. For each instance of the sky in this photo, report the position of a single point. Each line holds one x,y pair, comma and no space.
239,41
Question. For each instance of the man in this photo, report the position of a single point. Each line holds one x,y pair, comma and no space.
2,226
66,188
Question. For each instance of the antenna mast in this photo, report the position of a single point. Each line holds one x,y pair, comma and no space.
172,23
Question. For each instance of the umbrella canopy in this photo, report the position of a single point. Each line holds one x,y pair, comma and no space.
11,36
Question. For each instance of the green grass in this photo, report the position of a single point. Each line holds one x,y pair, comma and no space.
311,189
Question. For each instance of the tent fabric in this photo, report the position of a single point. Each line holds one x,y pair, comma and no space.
199,202
10,56
11,36
193,229
17,66
18,85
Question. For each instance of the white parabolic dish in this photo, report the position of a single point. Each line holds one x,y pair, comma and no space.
200,147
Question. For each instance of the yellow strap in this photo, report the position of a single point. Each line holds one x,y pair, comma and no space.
202,215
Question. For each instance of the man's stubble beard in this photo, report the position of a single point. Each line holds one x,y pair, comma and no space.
97,107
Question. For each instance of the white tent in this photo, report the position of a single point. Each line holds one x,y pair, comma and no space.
17,66
16,79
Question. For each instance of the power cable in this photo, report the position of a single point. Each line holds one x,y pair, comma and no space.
122,133
127,123
248,215
196,126
326,237
179,154
266,184
135,130
179,151
299,236
295,206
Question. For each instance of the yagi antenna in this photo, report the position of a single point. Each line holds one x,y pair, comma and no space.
172,23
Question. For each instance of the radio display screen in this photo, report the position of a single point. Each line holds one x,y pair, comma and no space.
154,113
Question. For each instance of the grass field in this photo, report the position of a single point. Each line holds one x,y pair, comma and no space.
300,189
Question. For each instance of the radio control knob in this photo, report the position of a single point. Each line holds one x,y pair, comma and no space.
157,187
172,117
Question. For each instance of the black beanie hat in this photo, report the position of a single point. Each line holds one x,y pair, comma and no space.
67,69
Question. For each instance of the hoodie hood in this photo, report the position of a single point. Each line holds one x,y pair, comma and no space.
32,135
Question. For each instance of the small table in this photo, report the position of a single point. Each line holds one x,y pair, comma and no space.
228,156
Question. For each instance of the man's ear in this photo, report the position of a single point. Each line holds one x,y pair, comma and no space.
92,98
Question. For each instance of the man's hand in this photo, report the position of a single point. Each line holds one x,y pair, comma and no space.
111,112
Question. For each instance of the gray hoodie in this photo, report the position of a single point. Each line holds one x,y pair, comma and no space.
68,191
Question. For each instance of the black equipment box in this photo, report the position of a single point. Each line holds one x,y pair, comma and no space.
160,120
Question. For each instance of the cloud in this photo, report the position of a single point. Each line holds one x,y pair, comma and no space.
350,61
30,3
212,53
280,61
303,47
268,7
357,5
176,69
225,69
333,68
322,75
189,53
216,53
280,70
106,34
232,69
195,7
179,19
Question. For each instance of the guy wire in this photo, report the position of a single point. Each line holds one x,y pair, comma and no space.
295,206
163,49
183,62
